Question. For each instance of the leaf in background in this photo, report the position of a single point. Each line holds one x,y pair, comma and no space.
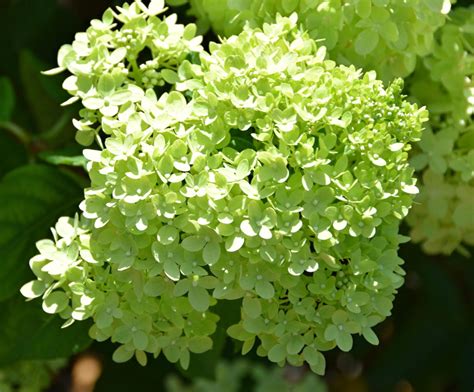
43,94
28,333
69,156
7,99
12,153
32,198
54,159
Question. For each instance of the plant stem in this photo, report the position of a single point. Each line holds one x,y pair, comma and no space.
16,131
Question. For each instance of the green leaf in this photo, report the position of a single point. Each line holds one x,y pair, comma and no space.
93,103
344,341
436,5
463,215
289,5
106,84
189,31
321,178
122,354
120,97
252,307
141,357
55,302
117,55
181,287
140,340
7,99
295,344
32,198
364,8
167,235
211,252
366,41
12,153
33,289
410,189
184,358
172,270
199,298
370,336
57,158
65,55
316,360
331,332
264,289
389,31
42,93
277,353
29,333
311,355
154,287
237,332
234,243
193,243
248,345
199,344
176,104
172,353
170,76
247,228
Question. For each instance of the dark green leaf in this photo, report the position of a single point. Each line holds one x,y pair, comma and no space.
54,159
69,156
12,153
29,334
7,99
32,198
42,93
366,41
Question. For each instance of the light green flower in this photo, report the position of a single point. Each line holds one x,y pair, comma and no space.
262,173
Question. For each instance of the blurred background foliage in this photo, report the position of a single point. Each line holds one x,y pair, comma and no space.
427,345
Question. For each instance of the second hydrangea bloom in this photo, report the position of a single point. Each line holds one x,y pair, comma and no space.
384,35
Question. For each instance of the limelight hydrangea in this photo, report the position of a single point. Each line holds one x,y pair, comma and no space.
259,172
443,217
384,35
235,376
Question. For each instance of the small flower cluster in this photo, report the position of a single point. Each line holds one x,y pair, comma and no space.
384,35
264,174
443,217
112,66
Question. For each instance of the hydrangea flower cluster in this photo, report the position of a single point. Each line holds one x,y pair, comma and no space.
259,172
235,376
384,35
443,218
